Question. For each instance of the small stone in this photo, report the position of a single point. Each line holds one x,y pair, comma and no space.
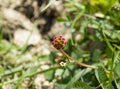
7,86
46,85
21,37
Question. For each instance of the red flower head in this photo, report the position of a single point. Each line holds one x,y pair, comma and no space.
59,42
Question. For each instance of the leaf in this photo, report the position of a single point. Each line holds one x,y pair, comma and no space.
32,70
76,77
76,18
117,69
49,75
82,85
52,57
1,70
102,78
1,33
59,86
95,55
4,47
117,63
117,82
60,19
77,54
107,41
117,57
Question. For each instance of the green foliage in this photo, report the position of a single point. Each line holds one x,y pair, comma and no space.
95,40
97,23
82,85
74,79
102,78
117,63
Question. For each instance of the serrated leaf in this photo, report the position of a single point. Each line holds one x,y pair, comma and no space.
102,78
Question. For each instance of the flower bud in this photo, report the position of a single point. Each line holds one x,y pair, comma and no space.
59,42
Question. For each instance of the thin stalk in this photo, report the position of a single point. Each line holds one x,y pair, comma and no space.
30,75
77,62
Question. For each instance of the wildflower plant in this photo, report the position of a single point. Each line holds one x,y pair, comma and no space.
59,43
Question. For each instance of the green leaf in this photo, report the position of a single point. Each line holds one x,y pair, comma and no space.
49,75
32,70
59,86
117,63
82,85
117,82
117,69
1,70
117,57
1,33
95,55
107,42
60,19
52,57
102,78
76,77
4,47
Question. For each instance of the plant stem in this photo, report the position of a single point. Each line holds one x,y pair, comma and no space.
77,62
30,75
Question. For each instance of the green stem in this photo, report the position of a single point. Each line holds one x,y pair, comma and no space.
17,69
30,75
